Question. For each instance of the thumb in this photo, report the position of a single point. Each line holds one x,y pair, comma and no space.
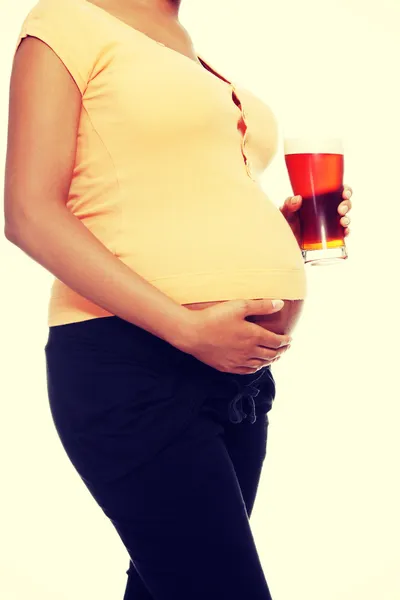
291,205
262,306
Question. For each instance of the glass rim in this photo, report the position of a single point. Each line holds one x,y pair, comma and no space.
313,144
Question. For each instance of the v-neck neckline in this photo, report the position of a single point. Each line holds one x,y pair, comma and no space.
205,64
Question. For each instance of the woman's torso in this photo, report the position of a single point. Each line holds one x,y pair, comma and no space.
285,320
168,156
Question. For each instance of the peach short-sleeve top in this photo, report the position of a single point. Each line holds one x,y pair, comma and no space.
167,166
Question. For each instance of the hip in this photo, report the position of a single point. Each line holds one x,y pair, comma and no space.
118,394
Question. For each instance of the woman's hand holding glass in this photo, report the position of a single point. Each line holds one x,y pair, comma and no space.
293,203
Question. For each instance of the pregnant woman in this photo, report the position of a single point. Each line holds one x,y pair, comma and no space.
132,175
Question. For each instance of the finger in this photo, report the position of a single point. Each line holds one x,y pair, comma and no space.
295,202
276,359
272,341
259,363
257,367
347,192
346,232
344,207
344,221
268,354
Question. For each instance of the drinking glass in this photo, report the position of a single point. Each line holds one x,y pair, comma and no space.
315,167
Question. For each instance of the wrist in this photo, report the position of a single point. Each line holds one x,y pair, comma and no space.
183,331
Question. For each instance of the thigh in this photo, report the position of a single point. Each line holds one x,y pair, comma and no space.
246,444
184,523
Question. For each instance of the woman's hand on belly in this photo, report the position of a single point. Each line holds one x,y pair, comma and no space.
223,336
282,322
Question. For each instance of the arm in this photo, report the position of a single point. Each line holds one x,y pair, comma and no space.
40,157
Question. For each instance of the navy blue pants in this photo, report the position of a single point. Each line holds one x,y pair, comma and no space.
170,449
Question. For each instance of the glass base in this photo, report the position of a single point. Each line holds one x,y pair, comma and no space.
325,256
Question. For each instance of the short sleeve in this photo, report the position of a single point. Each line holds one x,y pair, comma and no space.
63,28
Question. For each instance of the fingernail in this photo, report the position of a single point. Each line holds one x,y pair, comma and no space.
346,221
295,199
277,303
347,195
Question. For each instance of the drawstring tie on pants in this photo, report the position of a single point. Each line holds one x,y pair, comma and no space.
236,408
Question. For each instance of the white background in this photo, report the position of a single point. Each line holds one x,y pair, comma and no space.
326,520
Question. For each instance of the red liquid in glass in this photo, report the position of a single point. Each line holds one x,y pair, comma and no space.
318,179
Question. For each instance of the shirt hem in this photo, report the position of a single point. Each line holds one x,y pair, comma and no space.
66,306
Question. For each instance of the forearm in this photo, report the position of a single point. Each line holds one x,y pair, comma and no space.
64,246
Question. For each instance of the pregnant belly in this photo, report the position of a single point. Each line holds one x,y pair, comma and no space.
282,322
